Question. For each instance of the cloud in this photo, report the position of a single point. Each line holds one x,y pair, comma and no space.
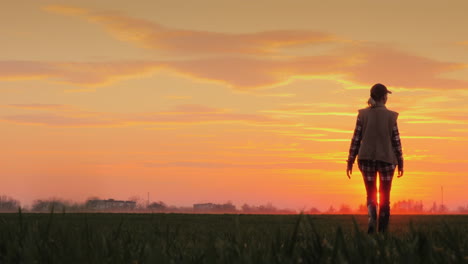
77,73
459,130
151,35
178,97
51,119
187,117
241,73
39,106
302,106
375,63
68,116
362,65
250,73
435,137
328,139
419,113
275,94
216,165
438,121
365,65
334,130
66,10
309,113
227,58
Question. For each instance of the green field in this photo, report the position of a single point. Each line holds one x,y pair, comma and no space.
192,238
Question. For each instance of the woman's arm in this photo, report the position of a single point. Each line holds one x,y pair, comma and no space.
355,144
396,143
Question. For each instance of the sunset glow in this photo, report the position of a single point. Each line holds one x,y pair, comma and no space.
214,101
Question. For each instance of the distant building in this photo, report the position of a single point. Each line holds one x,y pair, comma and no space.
157,206
203,207
211,207
110,204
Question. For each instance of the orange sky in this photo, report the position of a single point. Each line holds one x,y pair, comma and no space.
210,101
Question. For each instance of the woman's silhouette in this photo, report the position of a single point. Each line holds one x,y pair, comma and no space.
376,143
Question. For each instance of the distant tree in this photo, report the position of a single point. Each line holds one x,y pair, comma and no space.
246,208
344,209
408,206
314,210
157,206
443,209
8,204
261,209
74,207
268,208
286,211
91,198
463,209
331,210
47,205
140,203
362,209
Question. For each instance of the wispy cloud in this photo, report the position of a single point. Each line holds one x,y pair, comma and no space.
328,139
77,73
307,113
302,106
249,73
215,165
337,157
434,115
379,63
241,73
274,94
436,137
463,43
178,97
181,114
459,130
151,35
438,121
241,61
51,119
46,107
399,69
334,130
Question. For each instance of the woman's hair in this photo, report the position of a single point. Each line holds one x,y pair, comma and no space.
371,102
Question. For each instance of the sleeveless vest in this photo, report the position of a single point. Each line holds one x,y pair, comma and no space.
377,127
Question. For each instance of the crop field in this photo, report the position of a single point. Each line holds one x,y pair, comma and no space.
224,238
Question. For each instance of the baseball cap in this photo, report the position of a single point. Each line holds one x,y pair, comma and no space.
379,90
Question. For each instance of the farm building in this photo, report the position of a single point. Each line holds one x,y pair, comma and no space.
110,204
210,207
204,206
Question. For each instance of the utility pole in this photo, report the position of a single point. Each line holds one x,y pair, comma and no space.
147,202
442,195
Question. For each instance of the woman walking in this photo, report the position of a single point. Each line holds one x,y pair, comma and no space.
376,143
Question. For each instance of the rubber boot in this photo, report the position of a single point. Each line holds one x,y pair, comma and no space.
384,216
372,211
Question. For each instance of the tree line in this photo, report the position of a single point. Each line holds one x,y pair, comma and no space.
9,204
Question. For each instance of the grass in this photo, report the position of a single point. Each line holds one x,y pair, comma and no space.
184,238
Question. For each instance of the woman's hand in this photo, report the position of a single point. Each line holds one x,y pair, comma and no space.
400,173
349,169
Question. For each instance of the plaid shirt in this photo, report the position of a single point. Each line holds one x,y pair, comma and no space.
356,143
